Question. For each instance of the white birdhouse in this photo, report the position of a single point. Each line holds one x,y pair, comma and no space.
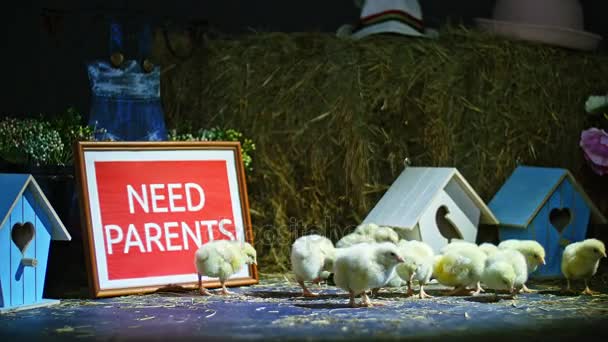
432,204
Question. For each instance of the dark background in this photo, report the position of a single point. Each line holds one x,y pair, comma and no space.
49,42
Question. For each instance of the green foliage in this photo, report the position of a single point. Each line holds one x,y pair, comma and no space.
39,142
218,134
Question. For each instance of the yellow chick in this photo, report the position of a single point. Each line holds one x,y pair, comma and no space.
368,233
460,267
362,267
312,258
221,259
581,260
505,269
457,244
532,251
418,264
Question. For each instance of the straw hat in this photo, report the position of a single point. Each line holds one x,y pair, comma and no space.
388,16
554,22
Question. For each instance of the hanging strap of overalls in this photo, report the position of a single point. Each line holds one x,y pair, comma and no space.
144,46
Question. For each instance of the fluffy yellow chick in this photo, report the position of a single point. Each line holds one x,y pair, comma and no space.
533,251
312,258
460,267
505,269
581,260
457,244
418,264
368,233
221,259
365,266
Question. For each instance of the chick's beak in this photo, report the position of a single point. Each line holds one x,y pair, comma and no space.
604,254
399,258
542,261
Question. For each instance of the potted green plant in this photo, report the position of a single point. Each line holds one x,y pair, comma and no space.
219,134
41,146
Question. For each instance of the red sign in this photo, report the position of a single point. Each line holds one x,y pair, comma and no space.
149,207
175,209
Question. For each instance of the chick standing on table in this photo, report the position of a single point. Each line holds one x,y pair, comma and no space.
505,270
532,251
312,258
581,260
460,267
418,264
221,259
457,244
364,266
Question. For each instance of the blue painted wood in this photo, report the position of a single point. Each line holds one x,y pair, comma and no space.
11,184
552,268
43,242
16,273
29,273
554,243
523,193
5,267
24,286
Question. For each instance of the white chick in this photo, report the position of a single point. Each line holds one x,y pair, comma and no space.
581,260
532,251
488,248
457,244
460,267
505,269
365,266
221,259
368,233
312,259
418,264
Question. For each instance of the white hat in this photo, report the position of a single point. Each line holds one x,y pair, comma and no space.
554,22
388,16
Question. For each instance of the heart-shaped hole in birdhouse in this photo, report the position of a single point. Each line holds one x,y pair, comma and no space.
446,228
22,235
560,218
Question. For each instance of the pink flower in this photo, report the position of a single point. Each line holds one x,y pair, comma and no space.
594,143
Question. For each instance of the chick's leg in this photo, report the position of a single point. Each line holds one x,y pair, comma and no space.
477,290
568,289
423,294
525,289
365,302
224,289
305,291
410,290
201,289
588,291
352,299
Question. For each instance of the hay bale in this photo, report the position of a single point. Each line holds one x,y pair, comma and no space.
333,119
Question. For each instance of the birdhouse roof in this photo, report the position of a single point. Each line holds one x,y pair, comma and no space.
527,190
414,190
13,186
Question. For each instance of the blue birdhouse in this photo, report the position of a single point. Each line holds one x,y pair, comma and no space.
546,205
28,224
